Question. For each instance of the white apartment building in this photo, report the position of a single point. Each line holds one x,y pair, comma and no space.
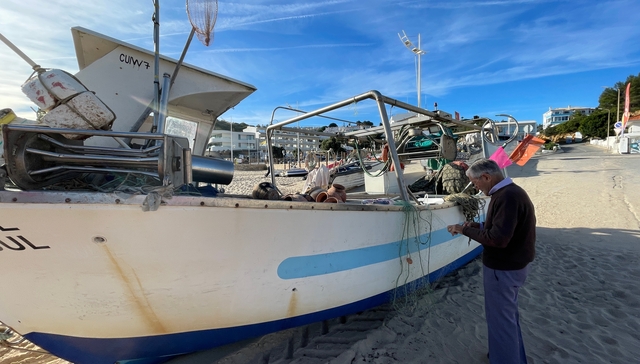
225,142
507,128
560,115
342,129
251,142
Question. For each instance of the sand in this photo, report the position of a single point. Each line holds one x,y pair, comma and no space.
244,181
579,304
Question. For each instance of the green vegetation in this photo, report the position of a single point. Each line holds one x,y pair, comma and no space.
332,143
277,152
595,125
222,124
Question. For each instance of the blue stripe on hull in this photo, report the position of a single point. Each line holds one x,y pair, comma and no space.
319,264
158,349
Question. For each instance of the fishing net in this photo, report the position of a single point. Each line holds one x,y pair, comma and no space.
409,294
202,15
471,206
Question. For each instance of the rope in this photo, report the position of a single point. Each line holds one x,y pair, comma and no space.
385,167
407,295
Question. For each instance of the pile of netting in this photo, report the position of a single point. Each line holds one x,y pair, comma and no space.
450,179
471,205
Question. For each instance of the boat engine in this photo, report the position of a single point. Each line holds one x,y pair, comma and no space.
38,156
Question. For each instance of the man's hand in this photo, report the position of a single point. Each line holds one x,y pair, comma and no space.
455,229
472,224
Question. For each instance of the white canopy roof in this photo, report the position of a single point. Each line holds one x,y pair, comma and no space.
121,73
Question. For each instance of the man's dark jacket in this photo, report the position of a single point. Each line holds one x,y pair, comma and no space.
509,231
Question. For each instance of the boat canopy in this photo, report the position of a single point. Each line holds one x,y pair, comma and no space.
122,76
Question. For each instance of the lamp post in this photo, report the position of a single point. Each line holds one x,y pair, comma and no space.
231,139
608,126
618,106
298,151
418,52
608,122
609,112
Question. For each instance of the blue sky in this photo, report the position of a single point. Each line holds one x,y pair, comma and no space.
484,58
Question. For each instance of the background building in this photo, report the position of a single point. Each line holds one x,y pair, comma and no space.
507,128
560,115
292,141
243,144
251,143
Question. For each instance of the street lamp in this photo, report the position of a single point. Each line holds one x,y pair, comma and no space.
418,52
608,122
298,151
608,126
617,111
618,106
231,139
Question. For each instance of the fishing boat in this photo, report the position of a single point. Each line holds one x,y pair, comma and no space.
118,247
351,175
295,172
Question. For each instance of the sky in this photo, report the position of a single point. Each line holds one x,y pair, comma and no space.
516,57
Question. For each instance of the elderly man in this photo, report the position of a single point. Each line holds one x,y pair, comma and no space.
508,236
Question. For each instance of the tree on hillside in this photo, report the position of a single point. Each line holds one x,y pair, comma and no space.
332,143
595,125
573,124
634,93
569,127
609,97
222,124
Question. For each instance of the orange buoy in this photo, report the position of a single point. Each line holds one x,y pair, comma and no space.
392,168
385,157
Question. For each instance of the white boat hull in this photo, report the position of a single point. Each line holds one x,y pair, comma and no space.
94,279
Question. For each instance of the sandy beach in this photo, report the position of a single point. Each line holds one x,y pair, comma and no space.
244,181
579,305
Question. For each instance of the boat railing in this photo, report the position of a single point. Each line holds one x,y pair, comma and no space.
430,118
